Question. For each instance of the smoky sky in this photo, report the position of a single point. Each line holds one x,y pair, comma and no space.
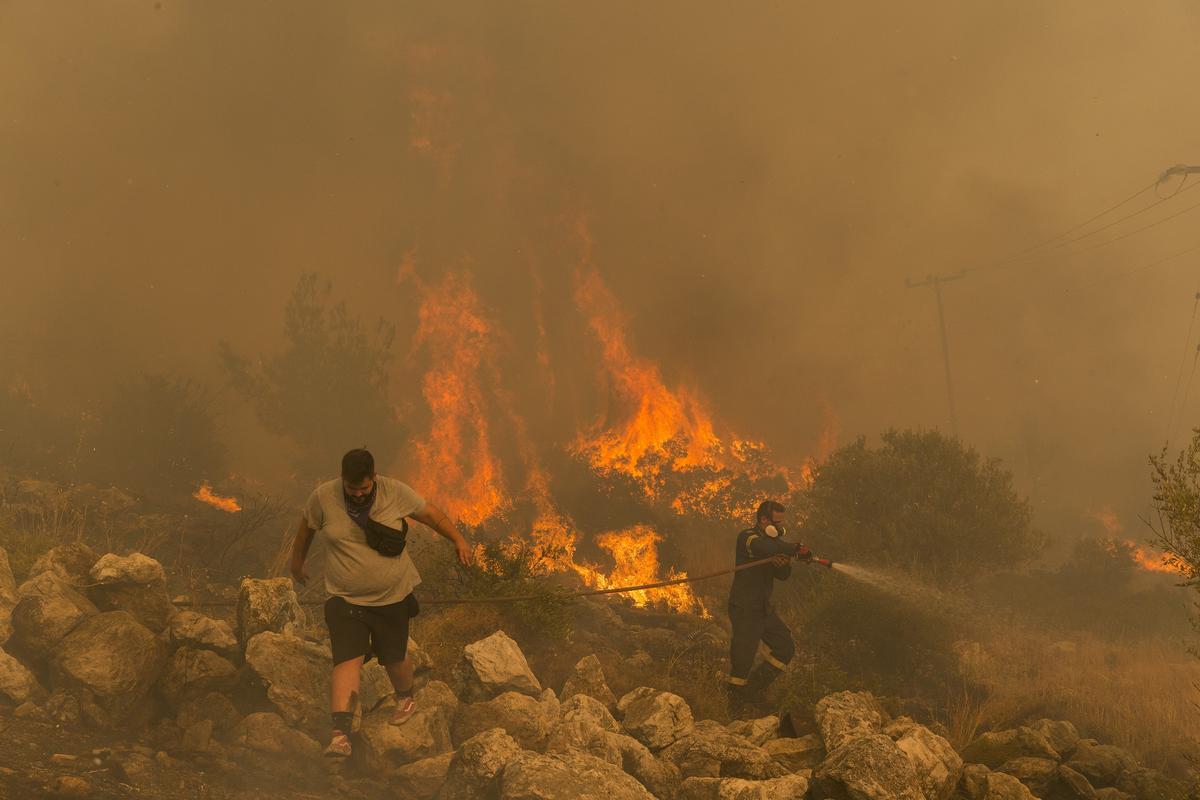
757,181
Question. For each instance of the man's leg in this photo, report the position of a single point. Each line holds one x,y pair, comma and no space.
401,675
344,685
743,645
778,640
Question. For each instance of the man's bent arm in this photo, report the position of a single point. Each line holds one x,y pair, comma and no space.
436,519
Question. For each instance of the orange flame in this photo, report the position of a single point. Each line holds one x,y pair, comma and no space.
1154,560
635,556
205,494
455,460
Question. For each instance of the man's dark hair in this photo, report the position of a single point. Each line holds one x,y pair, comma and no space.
357,465
768,507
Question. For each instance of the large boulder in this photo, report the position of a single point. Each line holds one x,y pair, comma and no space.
267,605
1101,764
17,684
868,767
421,780
148,603
654,717
527,720
1061,735
794,755
996,747
192,629
585,707
937,764
493,666
660,776
532,776
788,787
191,673
844,716
588,679
758,731
111,660
476,768
708,750
426,734
266,732
71,562
48,607
295,674
216,707
1142,782
980,783
135,568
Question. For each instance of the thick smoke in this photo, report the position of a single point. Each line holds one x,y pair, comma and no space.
755,182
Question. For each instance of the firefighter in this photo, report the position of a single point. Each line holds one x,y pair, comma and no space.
750,611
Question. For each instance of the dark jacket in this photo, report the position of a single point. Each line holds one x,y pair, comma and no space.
752,587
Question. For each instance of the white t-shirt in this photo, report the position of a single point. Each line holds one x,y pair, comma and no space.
353,569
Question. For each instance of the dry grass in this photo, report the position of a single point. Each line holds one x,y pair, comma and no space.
1143,696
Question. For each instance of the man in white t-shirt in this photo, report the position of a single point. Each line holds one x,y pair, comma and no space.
363,520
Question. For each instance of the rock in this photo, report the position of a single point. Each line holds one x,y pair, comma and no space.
653,717
63,708
660,776
148,603
421,780
133,766
532,776
191,629
980,783
1110,793
707,750
421,660
71,562
295,674
1061,735
588,679
1039,774
384,746
847,715
785,788
937,765
1072,786
475,769
996,747
1101,764
267,732
527,720
586,707
71,786
794,755
47,609
135,568
191,672
493,666
17,684
1143,782
111,660
267,605
216,707
758,731
586,736
197,737
866,767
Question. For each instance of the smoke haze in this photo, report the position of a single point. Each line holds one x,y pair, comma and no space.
754,184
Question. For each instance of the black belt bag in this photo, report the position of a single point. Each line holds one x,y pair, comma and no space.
382,539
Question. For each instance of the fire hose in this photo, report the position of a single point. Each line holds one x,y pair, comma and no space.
802,554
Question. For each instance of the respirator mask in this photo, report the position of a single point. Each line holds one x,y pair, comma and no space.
774,531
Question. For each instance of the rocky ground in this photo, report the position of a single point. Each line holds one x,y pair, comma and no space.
110,690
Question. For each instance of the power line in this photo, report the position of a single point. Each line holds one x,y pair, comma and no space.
936,282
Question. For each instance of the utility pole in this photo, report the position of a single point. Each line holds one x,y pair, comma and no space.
936,282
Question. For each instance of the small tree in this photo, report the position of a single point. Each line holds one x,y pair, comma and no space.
920,501
327,389
1176,525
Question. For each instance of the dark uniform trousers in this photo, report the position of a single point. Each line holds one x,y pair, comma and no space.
751,626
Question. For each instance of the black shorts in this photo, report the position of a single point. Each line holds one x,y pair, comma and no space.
363,631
